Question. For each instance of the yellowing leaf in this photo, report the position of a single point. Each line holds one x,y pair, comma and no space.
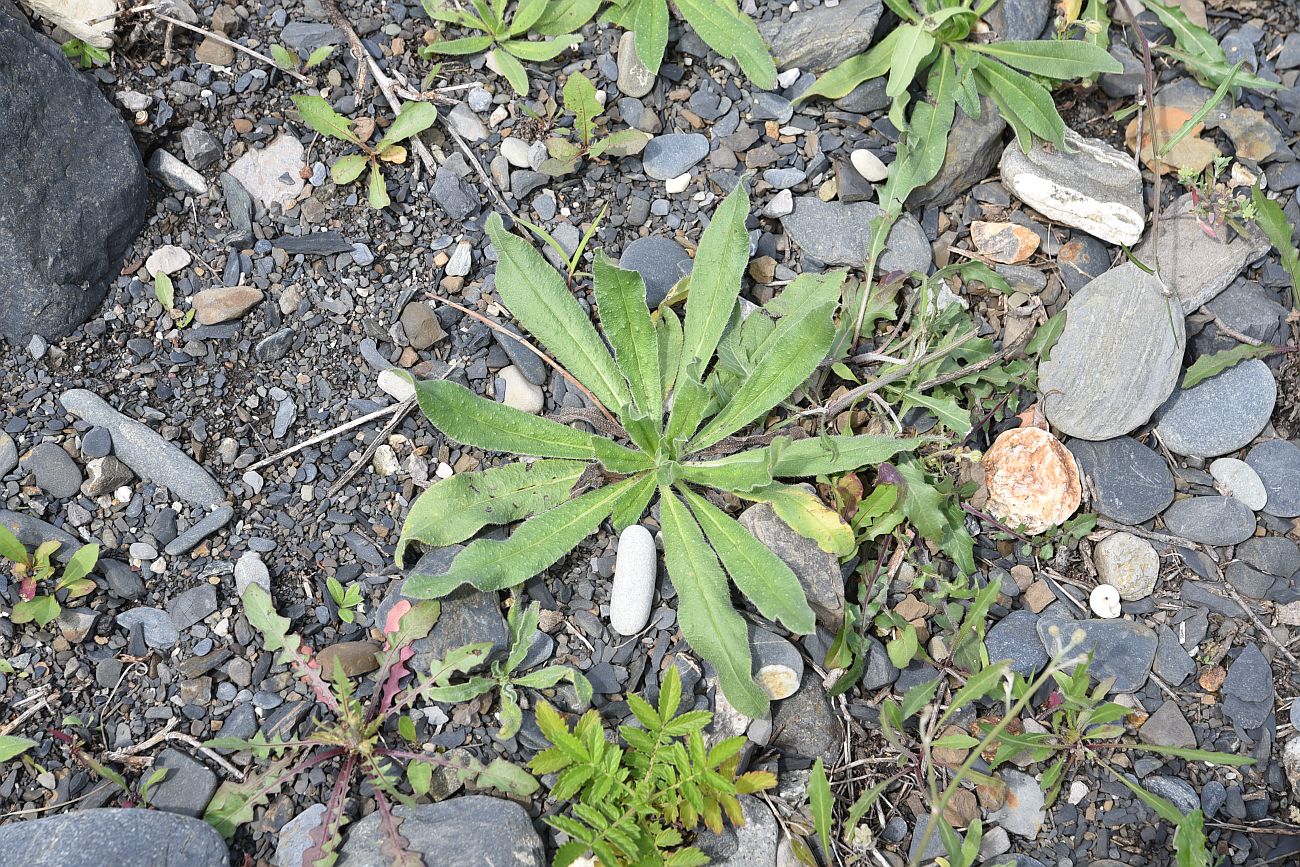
808,516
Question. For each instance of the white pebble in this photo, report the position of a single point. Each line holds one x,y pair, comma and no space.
1104,602
1237,479
517,152
458,264
385,461
789,77
635,568
869,165
678,184
519,392
167,259
444,470
391,383
781,205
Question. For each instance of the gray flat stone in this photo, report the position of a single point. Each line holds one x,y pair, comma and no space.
160,631
1211,520
1278,464
1128,482
149,455
1015,637
1172,663
205,527
123,838
840,234
671,155
188,786
1118,358
824,36
1220,414
1196,266
1094,188
1275,555
57,474
8,454
1167,727
660,261
818,571
1018,19
805,723
469,831
1121,649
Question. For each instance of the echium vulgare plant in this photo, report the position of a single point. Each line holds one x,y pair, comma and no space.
680,415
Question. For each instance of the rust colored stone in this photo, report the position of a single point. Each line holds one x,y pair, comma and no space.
1032,480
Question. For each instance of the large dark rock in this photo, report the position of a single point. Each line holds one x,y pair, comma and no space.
123,838
473,831
72,187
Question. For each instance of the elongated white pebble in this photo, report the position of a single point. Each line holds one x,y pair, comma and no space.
635,568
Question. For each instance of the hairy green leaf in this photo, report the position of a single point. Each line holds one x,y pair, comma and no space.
820,802
459,47
565,16
321,116
454,509
732,34
490,564
620,300
872,63
649,23
720,262
712,626
1025,103
1212,365
913,47
539,298
758,573
413,119
807,515
511,69
539,51
1061,59
1270,218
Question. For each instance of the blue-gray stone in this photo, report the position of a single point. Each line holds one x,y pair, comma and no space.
660,261
160,632
205,527
836,233
186,789
1172,663
1128,481
97,443
1211,520
824,36
468,831
1220,414
1179,792
1018,19
1278,464
1275,555
56,473
668,156
149,455
122,837
1121,649
1015,637
879,670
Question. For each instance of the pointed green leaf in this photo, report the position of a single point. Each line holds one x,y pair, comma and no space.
454,509
762,576
1207,366
841,80
10,548
565,16
511,69
580,100
539,51
669,334
321,116
527,13
709,623
807,515
459,47
821,803
784,362
650,24
914,46
720,262
1061,59
732,34
539,298
377,190
489,564
632,505
413,119
79,565
620,301
1028,101
348,168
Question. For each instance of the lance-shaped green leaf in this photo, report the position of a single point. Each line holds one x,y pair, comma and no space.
512,69
784,361
565,16
669,335
527,13
814,456
807,290
1062,59
691,402
743,471
914,46
720,262
927,134
841,80
632,505
1188,36
620,300
713,627
321,116
807,515
475,421
1023,101
467,45
732,34
454,509
413,119
491,564
762,576
650,25
538,297
539,52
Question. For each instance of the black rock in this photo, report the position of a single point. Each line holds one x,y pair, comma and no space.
454,195
1015,637
123,838
72,187
314,243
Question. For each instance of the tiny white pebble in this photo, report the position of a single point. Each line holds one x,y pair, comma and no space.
1104,602
678,184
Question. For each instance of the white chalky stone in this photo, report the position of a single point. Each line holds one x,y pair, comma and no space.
635,568
1237,480
678,184
1104,602
869,165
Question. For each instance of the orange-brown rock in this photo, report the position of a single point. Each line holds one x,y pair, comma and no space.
1007,243
1032,480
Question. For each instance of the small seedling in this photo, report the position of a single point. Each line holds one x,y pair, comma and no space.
580,101
165,292
288,60
506,42
356,732
639,803
1216,207
346,599
84,54
523,626
413,119
35,568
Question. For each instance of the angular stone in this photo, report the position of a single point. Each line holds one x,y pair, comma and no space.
974,145
224,303
105,476
1211,520
1254,138
1278,464
1172,663
72,185
1031,479
1018,19
1023,813
1081,260
144,451
805,724
57,474
1118,358
818,572
879,670
1122,649
1194,265
1129,482
122,837
1275,555
186,789
295,837
1167,727
822,37
1095,188
272,174
840,234
469,831
1007,243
